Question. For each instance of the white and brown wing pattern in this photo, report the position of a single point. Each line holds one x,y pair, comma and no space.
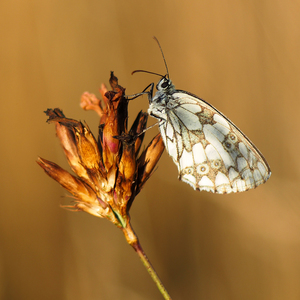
211,153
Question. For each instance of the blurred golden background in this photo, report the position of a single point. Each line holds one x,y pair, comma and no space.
242,57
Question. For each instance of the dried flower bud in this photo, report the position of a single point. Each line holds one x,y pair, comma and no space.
87,146
149,159
74,185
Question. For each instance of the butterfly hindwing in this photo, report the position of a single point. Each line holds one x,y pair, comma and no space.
211,153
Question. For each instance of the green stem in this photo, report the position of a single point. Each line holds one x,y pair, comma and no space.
132,240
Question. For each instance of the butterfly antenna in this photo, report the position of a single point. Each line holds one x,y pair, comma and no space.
162,55
144,71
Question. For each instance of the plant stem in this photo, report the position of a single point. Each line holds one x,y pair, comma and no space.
132,240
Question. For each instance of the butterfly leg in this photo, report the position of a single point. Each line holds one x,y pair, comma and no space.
150,93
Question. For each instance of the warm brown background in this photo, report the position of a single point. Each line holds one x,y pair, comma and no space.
242,56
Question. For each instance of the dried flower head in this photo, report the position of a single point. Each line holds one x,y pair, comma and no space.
109,171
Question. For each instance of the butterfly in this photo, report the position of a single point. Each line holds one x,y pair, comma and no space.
210,152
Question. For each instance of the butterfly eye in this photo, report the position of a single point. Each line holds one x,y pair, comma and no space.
164,84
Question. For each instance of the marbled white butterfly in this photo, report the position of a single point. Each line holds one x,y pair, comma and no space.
210,152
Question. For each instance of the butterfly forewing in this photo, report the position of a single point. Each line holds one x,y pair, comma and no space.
211,153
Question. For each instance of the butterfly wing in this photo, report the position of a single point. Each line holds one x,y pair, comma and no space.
211,153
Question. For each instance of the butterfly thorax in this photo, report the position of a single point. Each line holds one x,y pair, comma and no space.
163,101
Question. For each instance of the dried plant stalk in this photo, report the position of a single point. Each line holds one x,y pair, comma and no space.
110,172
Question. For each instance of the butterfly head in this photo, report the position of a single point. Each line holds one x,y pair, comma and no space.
165,85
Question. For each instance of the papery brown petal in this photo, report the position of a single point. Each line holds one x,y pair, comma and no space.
68,142
54,113
111,179
111,129
89,101
148,160
113,81
127,164
87,147
93,210
74,185
103,91
78,143
110,145
118,102
126,177
115,124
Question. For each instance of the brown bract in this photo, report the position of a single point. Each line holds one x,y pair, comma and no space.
109,172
